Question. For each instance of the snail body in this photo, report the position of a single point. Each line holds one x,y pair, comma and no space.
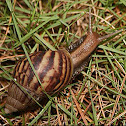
54,69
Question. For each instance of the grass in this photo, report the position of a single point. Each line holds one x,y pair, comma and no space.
98,94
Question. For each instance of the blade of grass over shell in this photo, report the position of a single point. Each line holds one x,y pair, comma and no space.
21,87
40,113
19,35
29,60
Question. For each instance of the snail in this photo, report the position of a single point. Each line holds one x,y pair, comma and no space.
54,69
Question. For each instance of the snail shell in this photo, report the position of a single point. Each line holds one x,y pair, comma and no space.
54,68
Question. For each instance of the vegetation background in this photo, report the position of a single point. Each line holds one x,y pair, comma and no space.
98,94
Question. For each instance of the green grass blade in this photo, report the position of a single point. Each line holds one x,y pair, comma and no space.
104,86
40,114
93,107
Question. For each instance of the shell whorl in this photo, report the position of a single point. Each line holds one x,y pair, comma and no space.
54,69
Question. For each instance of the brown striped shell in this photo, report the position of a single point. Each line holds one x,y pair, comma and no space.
54,69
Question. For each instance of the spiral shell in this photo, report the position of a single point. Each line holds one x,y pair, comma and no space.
54,69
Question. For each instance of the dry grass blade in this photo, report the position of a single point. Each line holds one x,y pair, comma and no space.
101,102
123,113
58,115
7,30
117,99
10,57
79,108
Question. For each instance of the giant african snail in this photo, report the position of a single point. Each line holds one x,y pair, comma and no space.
54,69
